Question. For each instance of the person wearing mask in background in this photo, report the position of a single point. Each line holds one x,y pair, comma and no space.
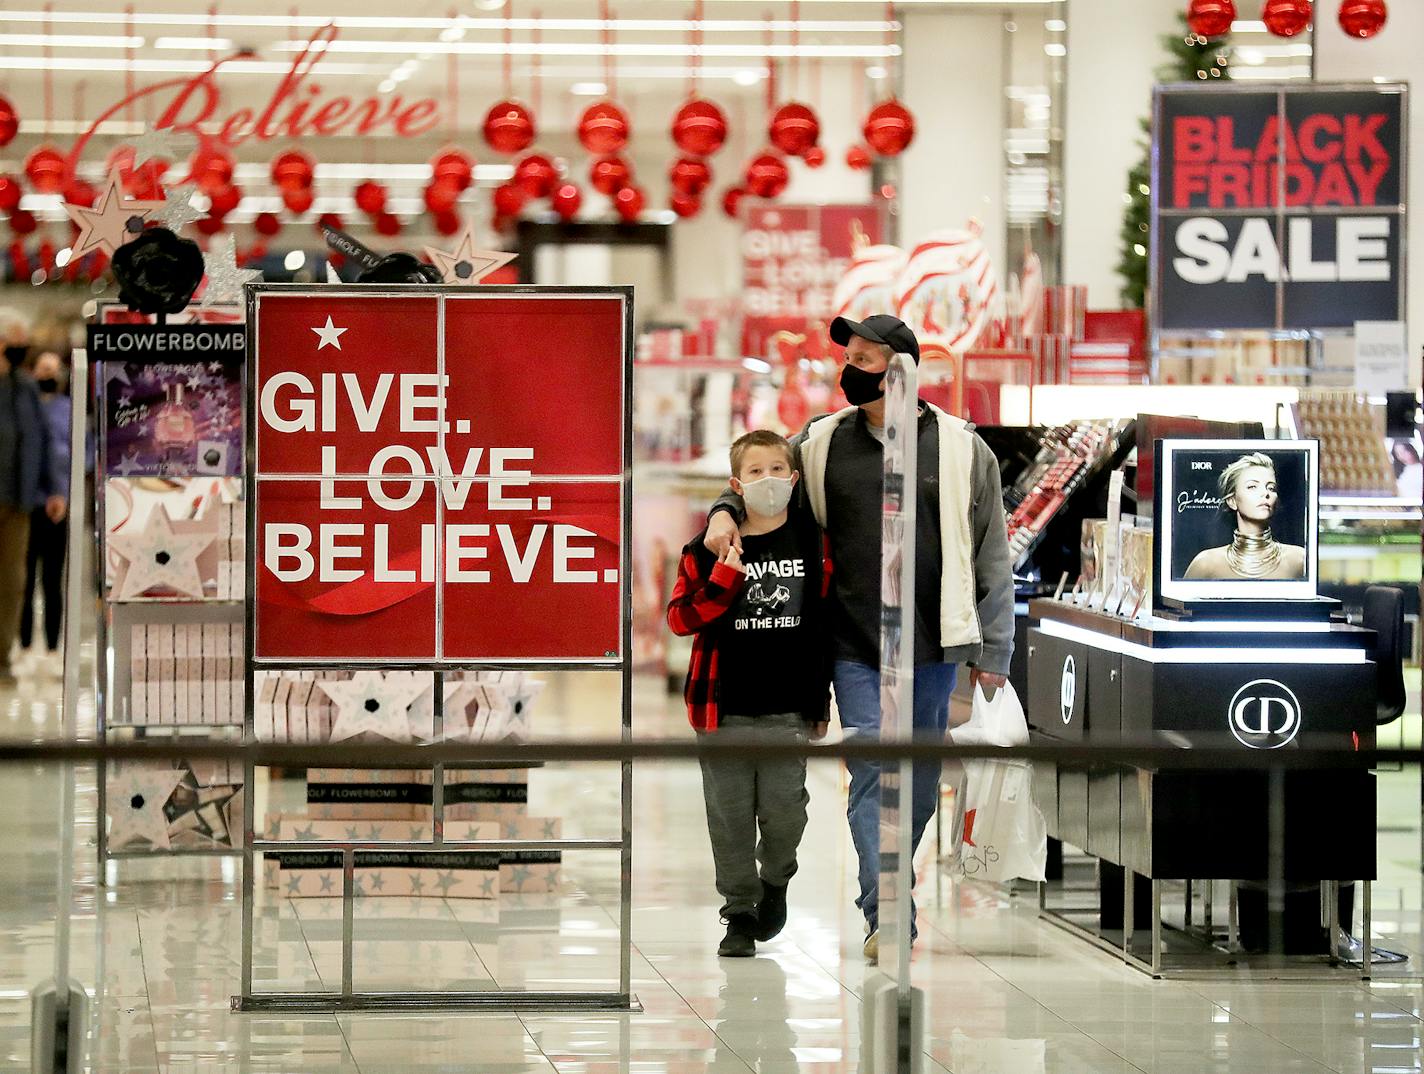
45,562
29,478
964,587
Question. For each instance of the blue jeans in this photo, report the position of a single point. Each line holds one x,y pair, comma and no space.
858,699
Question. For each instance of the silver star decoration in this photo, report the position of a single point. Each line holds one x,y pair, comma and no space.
378,881
294,884
137,795
177,210
444,881
417,885
160,143
370,701
158,557
225,279
128,464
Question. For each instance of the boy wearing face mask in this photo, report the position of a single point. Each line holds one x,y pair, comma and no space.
760,666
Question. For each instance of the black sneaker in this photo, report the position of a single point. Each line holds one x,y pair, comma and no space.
771,913
740,941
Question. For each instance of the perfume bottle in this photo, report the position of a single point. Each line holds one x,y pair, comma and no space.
174,430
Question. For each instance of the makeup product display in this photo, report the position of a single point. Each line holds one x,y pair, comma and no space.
1354,455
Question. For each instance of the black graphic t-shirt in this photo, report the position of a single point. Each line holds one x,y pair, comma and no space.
766,639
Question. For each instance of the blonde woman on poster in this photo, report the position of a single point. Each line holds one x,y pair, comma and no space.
1248,488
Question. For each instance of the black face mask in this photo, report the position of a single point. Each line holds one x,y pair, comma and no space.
48,385
861,387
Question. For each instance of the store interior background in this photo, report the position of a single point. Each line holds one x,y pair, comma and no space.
1027,119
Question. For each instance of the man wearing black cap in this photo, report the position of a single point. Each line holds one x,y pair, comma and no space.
964,594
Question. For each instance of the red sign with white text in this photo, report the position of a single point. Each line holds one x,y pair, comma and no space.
792,258
439,477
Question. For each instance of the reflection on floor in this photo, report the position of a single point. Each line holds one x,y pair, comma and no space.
1006,992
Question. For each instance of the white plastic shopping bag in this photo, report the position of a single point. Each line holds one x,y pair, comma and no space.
999,832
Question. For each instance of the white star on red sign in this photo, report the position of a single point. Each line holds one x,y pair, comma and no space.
329,334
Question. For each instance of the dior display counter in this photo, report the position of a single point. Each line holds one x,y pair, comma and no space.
1200,835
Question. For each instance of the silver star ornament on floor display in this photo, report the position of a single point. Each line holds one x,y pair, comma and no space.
137,795
372,702
160,558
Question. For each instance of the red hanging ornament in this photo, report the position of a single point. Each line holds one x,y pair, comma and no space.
80,193
211,169
224,200
387,224
566,201
767,176
209,225
857,158
440,197
814,157
293,170
1211,18
889,128
1286,18
329,220
509,127
536,175
453,167
610,175
9,121
447,223
296,200
509,198
146,181
699,128
1358,18
794,129
689,176
266,224
10,194
47,169
23,222
731,199
603,128
629,202
685,205
370,197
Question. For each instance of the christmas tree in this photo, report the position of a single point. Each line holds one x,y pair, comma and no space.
1193,58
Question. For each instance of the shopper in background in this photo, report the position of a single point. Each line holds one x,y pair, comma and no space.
964,594
28,479
760,666
45,562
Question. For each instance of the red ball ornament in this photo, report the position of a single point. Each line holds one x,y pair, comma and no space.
447,223
80,193
794,129
440,197
610,175
509,198
629,202
566,201
23,222
331,220
224,200
146,181
370,197
297,200
267,224
10,194
536,175
209,225
47,170
9,121
293,170
814,157
889,128
857,158
767,176
685,205
603,128
211,169
1358,18
1286,18
689,176
509,127
1211,18
699,128
453,167
731,199
387,225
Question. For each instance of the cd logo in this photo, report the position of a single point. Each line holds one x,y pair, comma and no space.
1068,688
1264,715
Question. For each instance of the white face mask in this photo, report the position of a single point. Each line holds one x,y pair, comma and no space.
769,496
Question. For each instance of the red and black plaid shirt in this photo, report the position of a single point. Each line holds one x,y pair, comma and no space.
704,591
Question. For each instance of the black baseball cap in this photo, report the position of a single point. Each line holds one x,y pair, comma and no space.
878,328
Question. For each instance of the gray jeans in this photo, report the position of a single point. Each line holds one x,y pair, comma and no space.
747,797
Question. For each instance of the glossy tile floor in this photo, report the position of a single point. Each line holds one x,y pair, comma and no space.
1006,992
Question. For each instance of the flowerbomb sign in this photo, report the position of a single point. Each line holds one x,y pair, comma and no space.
438,477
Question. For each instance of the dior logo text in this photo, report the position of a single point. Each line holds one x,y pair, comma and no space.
1264,714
